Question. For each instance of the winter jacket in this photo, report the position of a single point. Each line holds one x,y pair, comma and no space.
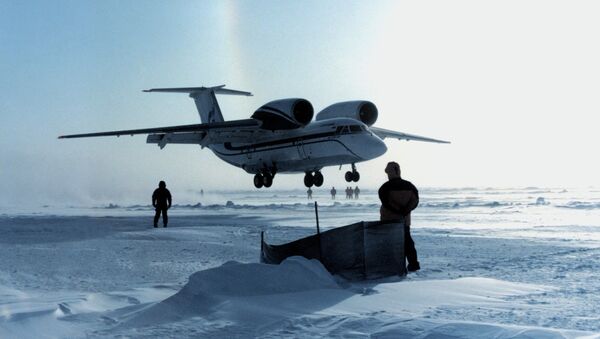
398,198
161,198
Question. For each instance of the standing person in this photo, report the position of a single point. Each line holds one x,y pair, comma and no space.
398,198
350,192
309,193
356,192
161,200
333,192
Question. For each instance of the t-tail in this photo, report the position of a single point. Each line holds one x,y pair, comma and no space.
206,101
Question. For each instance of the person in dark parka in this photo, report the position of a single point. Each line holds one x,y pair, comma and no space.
161,200
398,198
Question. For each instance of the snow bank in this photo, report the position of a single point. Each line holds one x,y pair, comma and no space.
237,279
299,297
233,283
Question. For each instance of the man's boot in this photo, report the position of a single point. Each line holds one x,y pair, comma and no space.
413,267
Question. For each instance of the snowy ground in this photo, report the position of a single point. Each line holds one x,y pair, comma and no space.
495,263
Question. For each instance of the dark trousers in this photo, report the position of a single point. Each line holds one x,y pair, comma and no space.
409,248
164,214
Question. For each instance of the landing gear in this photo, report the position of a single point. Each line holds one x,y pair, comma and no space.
263,179
308,180
258,180
318,179
315,179
352,176
267,180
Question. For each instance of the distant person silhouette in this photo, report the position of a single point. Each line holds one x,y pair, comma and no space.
398,198
333,192
161,200
309,193
356,192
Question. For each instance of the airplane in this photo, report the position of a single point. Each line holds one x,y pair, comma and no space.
280,136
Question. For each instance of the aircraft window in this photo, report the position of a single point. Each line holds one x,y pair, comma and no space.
343,130
350,129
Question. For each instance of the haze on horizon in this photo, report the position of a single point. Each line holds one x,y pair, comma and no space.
513,85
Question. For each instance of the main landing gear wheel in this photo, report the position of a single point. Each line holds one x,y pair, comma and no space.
267,180
315,179
308,180
352,175
318,179
259,180
263,179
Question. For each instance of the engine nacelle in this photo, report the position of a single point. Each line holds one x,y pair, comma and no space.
361,110
284,114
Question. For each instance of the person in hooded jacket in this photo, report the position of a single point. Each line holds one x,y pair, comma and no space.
398,198
161,200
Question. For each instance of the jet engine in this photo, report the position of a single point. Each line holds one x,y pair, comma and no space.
364,111
284,114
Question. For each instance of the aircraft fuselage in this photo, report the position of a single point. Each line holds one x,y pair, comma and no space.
308,149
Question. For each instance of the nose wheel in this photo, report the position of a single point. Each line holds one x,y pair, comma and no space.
352,175
263,179
315,179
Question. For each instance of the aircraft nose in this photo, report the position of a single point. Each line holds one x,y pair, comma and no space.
378,146
372,147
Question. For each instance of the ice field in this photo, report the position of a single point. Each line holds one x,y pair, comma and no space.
504,263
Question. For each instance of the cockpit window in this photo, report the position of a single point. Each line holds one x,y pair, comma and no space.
349,129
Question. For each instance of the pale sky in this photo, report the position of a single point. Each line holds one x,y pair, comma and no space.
513,84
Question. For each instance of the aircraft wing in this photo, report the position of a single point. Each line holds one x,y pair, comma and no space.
385,133
199,134
220,126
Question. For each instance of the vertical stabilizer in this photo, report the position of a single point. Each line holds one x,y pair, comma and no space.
207,105
205,99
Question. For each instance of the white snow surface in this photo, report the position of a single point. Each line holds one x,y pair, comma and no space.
496,263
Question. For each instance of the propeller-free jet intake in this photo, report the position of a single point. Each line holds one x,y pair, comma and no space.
280,137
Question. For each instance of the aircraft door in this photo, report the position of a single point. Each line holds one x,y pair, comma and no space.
300,148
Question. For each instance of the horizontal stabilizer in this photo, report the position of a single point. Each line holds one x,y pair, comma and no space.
217,90
385,133
205,99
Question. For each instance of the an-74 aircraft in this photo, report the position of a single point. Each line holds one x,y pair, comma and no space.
280,137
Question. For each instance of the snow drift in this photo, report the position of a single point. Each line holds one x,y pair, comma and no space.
300,296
